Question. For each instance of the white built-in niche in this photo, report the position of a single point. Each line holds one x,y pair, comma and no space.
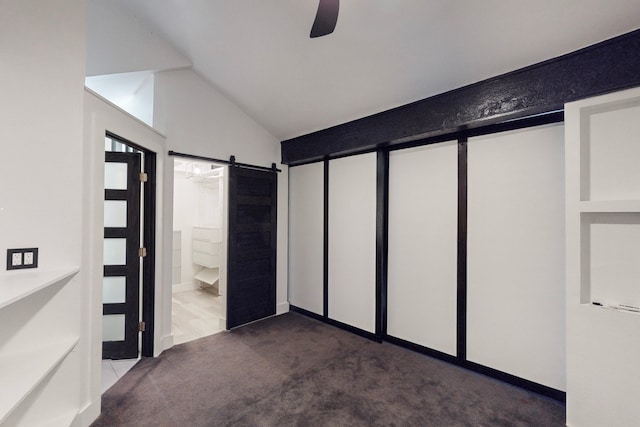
602,142
607,192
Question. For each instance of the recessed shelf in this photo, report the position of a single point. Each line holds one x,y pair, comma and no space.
18,285
605,206
23,371
610,258
610,152
208,275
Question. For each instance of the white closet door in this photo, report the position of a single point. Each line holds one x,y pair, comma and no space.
423,230
306,236
352,240
515,259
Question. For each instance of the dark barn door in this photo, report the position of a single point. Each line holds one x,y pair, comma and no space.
251,280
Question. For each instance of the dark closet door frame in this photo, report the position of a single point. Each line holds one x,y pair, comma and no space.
377,335
149,241
382,244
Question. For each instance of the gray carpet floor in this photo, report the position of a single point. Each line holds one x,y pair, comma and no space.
290,370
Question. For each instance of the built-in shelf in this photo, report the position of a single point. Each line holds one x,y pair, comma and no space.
208,275
21,372
20,284
606,206
602,245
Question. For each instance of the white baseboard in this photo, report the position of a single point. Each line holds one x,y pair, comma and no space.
166,343
282,308
222,323
87,415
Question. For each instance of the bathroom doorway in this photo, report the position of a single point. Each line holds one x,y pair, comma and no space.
199,249
128,264
129,249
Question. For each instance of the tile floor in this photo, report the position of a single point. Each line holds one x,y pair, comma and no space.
196,314
113,370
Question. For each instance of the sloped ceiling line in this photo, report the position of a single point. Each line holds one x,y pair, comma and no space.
605,67
382,54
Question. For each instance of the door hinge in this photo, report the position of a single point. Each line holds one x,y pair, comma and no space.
143,177
141,327
142,252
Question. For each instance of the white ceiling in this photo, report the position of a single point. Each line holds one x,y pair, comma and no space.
383,53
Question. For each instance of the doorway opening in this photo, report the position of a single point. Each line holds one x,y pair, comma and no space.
129,257
199,249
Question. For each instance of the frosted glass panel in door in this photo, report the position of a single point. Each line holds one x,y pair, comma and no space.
115,213
115,251
114,290
306,237
113,327
515,253
423,235
115,176
352,241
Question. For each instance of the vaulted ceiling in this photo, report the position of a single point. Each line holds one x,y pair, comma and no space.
382,54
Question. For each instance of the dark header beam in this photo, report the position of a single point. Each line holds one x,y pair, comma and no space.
541,88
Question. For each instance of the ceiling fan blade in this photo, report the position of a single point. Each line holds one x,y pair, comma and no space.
326,18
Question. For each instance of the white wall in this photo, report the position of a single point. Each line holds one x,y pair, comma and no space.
195,204
197,119
139,103
41,86
100,116
42,81
133,92
185,217
195,116
515,253
117,42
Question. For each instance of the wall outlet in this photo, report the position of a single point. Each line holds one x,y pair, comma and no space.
22,258
16,259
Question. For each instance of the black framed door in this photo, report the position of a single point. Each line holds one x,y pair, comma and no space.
251,273
121,282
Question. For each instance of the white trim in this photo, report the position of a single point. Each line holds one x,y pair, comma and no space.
88,414
100,116
129,115
166,343
282,308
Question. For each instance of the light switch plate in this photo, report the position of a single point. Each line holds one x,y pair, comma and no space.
22,258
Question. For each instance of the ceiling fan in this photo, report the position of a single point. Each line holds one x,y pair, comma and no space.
326,18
